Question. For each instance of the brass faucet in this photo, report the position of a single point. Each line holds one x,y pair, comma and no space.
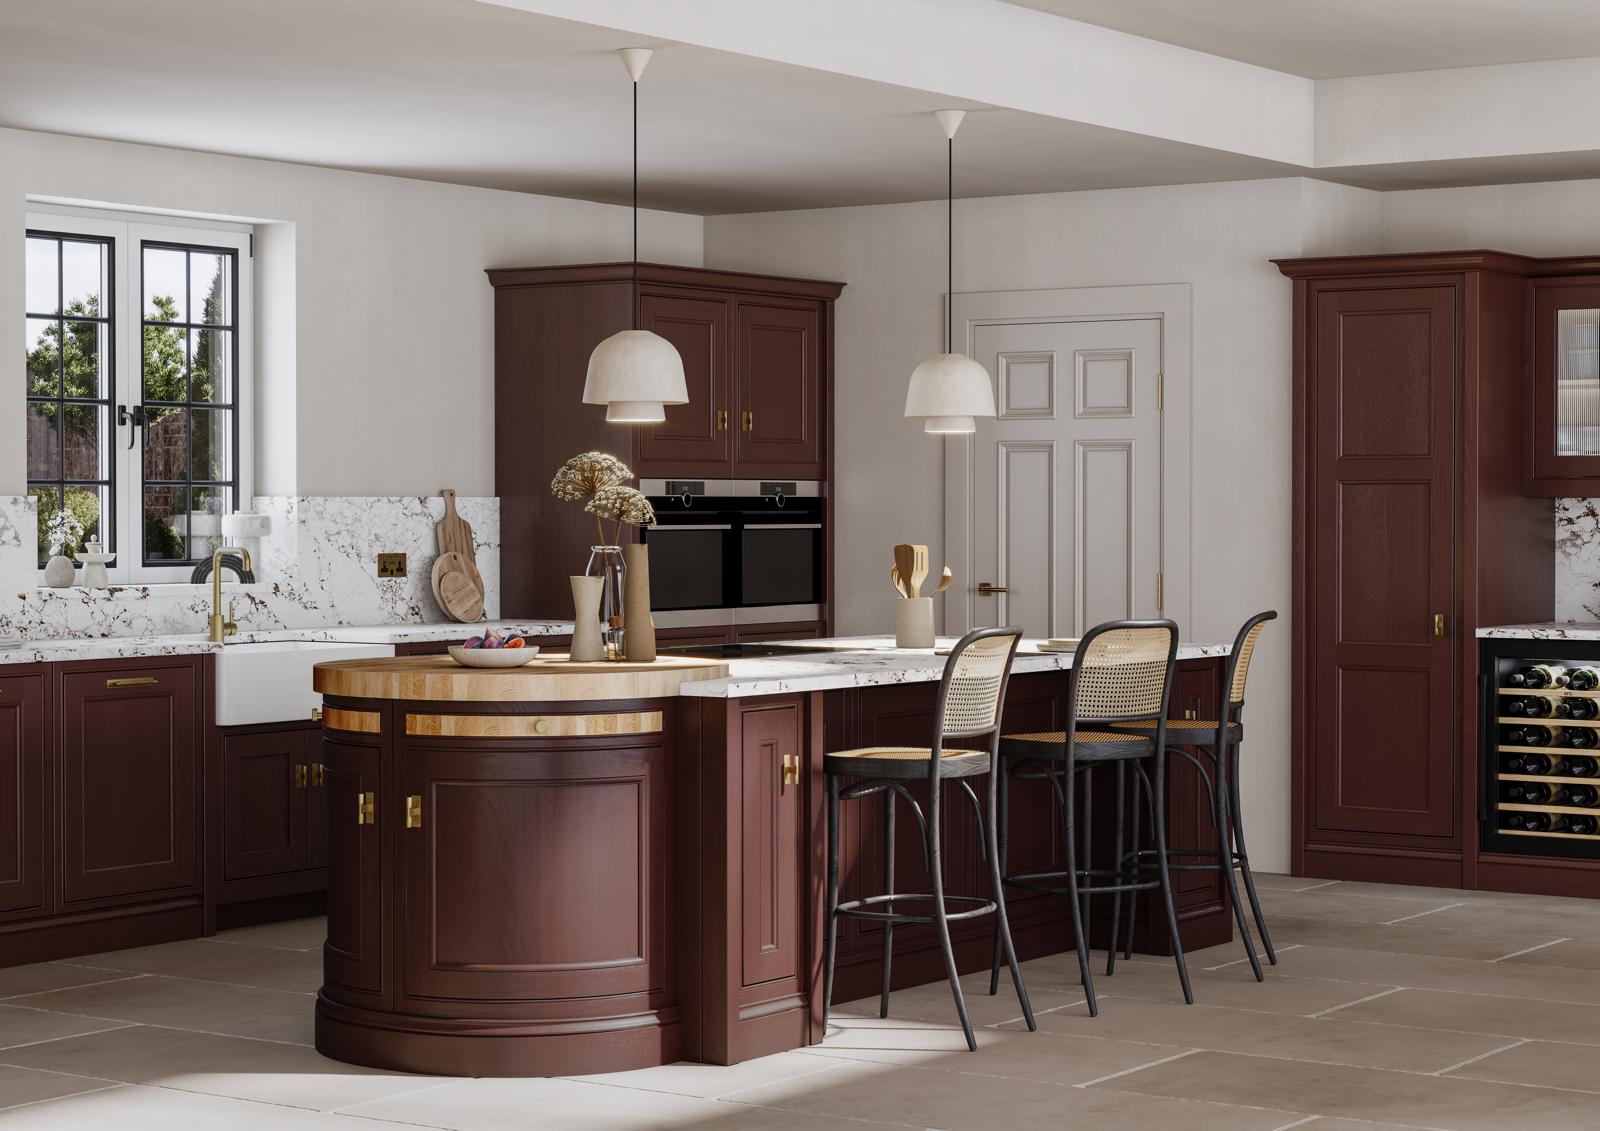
222,629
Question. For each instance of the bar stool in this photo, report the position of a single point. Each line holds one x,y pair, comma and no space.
1121,674
971,697
1217,742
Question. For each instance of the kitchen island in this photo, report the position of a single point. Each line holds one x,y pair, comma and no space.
574,868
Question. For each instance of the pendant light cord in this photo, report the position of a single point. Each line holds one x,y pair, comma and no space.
950,246
635,204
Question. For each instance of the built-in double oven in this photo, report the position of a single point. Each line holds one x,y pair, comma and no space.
736,544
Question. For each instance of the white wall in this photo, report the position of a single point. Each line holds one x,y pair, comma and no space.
1219,238
1547,218
380,377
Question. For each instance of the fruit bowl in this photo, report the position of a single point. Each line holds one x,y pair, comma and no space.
492,657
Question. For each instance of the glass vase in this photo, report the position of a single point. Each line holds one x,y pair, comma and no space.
605,562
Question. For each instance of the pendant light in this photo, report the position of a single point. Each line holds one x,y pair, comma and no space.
635,373
950,389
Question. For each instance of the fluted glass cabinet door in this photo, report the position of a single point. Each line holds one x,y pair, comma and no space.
1564,432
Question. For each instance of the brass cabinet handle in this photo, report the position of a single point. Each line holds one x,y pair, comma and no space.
316,714
134,681
722,420
747,422
366,808
1438,624
317,771
302,775
414,811
791,771
989,589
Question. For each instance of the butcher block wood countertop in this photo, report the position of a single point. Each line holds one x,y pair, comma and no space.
545,679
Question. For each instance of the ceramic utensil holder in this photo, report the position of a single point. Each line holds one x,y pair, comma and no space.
639,634
913,622
588,645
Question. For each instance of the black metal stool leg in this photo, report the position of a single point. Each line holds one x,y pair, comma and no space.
1237,828
1220,818
888,888
830,937
942,922
1133,855
1117,863
1002,922
1087,852
1002,786
1069,838
1158,822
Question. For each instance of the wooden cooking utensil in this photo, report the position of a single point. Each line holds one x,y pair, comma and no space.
944,581
899,582
459,596
455,537
919,569
905,560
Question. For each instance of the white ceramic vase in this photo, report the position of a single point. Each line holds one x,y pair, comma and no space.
588,644
58,572
94,567
913,622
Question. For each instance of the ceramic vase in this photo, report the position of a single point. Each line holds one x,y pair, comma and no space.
605,562
94,567
58,572
588,645
639,641
913,622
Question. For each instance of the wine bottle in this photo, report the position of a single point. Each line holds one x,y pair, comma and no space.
1579,738
1527,736
1584,679
1540,676
1526,792
1578,823
1582,796
1579,766
1512,820
1536,822
1534,707
1529,762
1581,708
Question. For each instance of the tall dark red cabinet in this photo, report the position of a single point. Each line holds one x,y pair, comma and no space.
1411,529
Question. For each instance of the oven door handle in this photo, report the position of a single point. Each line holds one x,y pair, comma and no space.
660,526
783,526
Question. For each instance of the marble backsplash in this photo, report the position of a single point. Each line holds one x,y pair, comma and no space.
318,567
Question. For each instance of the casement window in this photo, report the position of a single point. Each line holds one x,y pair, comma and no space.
138,383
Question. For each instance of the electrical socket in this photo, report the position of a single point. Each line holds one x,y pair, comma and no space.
391,565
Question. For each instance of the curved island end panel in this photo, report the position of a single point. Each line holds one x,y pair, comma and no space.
575,868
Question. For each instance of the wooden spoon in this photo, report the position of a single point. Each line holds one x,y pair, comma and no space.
944,581
905,560
919,569
894,576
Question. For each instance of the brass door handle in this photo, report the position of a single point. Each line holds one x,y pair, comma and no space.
302,776
317,771
1438,624
791,771
414,811
987,589
366,808
747,422
134,681
722,420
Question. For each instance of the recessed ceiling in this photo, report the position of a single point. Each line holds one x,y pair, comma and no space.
471,93
1338,38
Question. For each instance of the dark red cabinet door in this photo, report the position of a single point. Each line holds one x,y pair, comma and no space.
130,789
772,839
778,374
265,781
1384,683
696,437
23,774
352,964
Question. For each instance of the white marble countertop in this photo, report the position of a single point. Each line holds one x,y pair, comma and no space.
872,661
133,647
1549,630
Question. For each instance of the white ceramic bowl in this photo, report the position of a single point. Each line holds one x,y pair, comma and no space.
493,657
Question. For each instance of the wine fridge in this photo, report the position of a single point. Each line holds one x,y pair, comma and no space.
1539,786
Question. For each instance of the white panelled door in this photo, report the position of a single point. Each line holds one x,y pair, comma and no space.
1064,486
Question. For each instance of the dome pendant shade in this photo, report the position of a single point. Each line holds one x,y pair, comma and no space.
634,373
949,389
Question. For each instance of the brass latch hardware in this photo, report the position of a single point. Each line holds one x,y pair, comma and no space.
317,772
414,811
366,808
301,776
989,589
1438,624
791,769
722,420
134,681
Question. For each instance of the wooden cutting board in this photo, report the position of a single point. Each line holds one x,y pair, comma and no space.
459,596
455,537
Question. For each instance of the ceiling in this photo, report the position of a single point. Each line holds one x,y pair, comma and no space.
471,93
1323,39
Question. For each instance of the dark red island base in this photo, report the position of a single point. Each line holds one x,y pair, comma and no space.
569,869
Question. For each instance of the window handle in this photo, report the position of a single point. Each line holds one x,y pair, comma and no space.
134,416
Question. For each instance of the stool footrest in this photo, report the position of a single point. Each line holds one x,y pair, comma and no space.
862,908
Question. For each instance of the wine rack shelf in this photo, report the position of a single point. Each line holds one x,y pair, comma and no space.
1552,836
1524,807
1546,721
1550,779
1550,692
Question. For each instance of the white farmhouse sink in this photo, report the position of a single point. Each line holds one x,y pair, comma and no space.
271,682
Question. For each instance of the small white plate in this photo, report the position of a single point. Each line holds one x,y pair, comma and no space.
493,657
1060,644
